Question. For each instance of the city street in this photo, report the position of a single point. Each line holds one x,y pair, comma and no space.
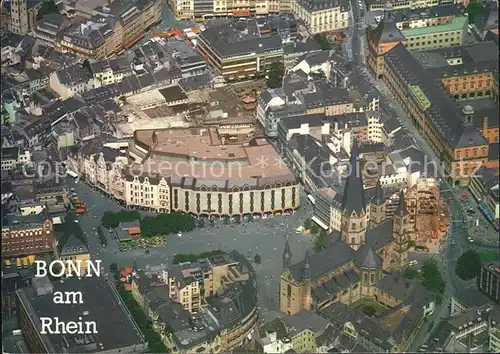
456,242
263,237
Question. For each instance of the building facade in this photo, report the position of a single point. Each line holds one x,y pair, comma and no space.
417,31
28,235
173,180
488,281
458,141
237,56
193,9
324,16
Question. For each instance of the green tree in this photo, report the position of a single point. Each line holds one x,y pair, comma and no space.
192,257
307,223
369,311
468,265
323,41
111,220
474,9
432,279
47,7
320,241
318,75
275,74
410,273
257,259
314,229
154,340
165,224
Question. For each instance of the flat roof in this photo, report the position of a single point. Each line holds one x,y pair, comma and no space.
200,152
173,93
456,24
116,330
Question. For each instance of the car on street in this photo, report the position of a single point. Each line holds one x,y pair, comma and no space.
300,229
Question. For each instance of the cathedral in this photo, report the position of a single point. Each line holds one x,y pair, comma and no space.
367,247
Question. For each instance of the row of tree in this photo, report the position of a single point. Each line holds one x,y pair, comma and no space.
164,224
193,257
102,238
161,224
111,220
153,339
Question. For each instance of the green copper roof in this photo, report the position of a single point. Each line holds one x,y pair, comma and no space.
456,24
424,101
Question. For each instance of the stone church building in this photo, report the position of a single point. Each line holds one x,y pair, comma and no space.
368,246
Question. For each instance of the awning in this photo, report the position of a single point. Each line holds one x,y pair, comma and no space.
320,223
487,213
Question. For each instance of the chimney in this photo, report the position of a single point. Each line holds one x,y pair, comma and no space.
468,113
485,125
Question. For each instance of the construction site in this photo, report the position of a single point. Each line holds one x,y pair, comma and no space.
429,218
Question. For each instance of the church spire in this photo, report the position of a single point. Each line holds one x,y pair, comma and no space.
306,275
353,199
379,198
401,209
287,255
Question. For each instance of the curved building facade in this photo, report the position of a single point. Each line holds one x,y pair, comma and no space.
208,177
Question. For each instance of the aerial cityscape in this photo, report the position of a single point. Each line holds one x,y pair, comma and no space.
254,176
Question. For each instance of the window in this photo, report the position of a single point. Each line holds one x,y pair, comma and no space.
288,290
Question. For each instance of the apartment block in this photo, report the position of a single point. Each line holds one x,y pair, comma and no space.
323,16
239,52
380,5
13,157
488,281
27,235
112,29
184,325
206,9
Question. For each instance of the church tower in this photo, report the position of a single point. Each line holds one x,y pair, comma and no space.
400,232
353,224
306,283
19,17
287,255
378,206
